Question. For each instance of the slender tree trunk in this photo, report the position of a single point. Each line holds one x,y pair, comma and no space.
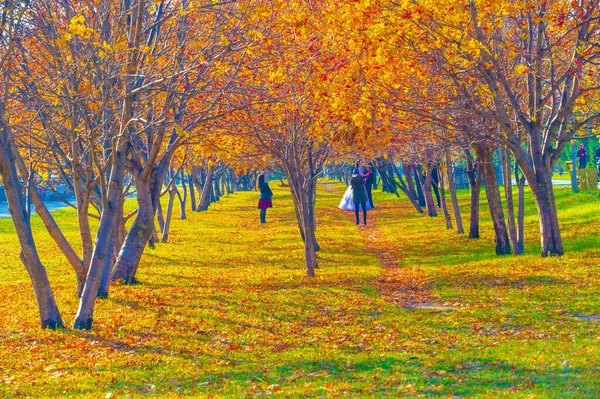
418,178
474,174
546,205
520,246
495,203
192,192
426,188
510,209
182,198
442,190
206,192
454,199
48,309
165,232
406,189
53,229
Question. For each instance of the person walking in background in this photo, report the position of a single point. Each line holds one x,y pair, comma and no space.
369,181
582,156
264,200
359,196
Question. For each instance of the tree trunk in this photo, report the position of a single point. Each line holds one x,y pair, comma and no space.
109,261
495,203
546,205
137,237
182,199
53,229
192,192
520,246
442,190
454,199
418,177
406,189
510,209
474,174
426,188
167,226
84,317
48,309
204,202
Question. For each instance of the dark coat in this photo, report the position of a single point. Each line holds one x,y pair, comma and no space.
359,194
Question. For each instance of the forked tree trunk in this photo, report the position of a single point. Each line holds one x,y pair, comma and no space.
53,229
494,201
454,199
418,178
84,317
48,309
426,188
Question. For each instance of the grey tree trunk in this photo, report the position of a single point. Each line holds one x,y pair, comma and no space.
206,192
520,246
169,214
508,194
182,198
48,309
475,180
137,237
192,192
454,199
494,201
84,317
442,190
426,189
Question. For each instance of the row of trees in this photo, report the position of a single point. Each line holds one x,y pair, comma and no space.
165,97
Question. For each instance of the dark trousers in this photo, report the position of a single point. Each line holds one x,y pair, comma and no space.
369,187
364,209
263,216
582,163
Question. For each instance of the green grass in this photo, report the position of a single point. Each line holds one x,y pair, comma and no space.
225,309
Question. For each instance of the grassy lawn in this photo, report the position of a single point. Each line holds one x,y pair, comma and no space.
224,309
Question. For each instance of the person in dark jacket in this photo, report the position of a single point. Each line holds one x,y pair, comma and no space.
264,200
583,157
359,197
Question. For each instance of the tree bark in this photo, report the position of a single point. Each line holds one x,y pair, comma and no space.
426,189
84,317
48,309
205,197
474,174
510,210
494,201
137,237
454,199
442,190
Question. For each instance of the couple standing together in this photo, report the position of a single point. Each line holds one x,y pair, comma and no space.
359,193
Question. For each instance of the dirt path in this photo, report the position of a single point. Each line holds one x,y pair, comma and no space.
407,287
